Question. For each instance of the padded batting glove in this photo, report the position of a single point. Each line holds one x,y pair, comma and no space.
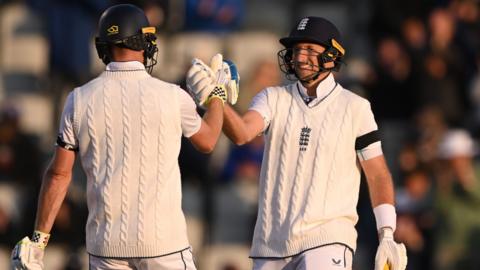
203,84
226,74
389,252
28,254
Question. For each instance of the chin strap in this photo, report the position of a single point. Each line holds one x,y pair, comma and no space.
308,79
312,77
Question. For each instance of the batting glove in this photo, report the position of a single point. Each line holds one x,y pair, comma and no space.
201,83
390,253
226,74
28,254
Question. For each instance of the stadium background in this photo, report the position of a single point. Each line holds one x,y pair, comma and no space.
416,61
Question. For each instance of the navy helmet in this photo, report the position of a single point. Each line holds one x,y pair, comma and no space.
316,30
126,26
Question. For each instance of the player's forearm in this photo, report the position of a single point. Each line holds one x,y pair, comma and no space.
213,117
234,127
54,188
381,189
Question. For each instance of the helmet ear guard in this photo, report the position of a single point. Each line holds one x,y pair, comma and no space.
333,53
149,41
150,51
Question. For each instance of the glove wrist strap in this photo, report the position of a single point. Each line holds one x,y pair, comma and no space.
385,233
40,239
217,92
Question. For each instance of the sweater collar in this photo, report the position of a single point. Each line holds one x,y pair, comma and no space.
324,88
125,66
132,70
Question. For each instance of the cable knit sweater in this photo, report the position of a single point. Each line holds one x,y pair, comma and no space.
310,177
129,130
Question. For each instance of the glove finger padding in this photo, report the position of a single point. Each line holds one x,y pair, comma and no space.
27,256
216,63
226,74
200,64
233,82
381,263
402,253
197,79
392,253
199,82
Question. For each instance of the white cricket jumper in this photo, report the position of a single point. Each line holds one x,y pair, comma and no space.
310,174
128,127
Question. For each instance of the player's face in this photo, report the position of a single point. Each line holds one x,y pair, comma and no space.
305,58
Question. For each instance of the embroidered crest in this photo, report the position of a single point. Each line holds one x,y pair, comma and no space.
302,24
304,138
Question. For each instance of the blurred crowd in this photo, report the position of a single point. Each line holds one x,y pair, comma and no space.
416,61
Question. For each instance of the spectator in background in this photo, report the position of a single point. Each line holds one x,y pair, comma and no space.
430,126
441,89
457,202
70,28
157,11
474,95
213,15
264,74
445,77
415,39
244,162
19,154
467,17
414,36
392,96
416,217
388,15
20,163
393,93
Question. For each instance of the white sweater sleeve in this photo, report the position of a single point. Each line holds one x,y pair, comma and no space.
191,120
260,104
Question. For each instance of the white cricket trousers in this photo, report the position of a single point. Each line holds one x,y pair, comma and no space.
181,260
329,257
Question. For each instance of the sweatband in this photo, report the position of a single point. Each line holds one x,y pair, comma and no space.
385,216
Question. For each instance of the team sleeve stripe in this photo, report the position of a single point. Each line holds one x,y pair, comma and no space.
65,145
367,139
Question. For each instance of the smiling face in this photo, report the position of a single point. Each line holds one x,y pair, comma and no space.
306,61
305,57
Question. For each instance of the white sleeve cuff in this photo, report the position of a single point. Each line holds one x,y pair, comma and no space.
371,151
385,216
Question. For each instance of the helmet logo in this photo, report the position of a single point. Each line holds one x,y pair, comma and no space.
302,24
112,30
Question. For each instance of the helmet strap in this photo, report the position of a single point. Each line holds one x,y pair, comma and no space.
310,78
